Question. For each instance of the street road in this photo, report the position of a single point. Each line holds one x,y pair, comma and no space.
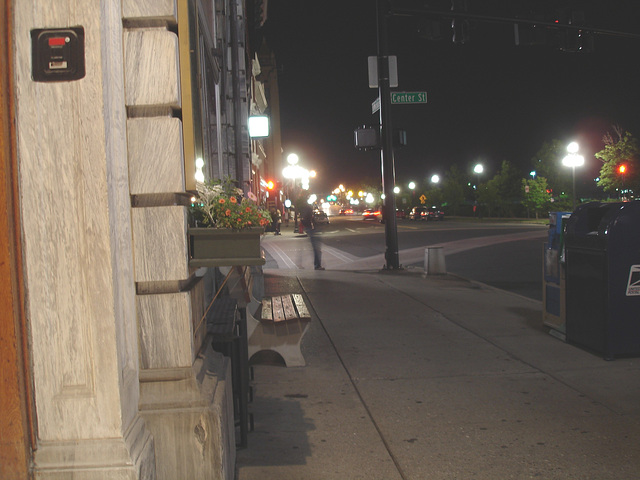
504,255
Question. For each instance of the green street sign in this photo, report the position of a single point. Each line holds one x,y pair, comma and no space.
408,97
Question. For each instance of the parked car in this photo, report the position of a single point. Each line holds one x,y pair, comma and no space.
370,214
435,213
400,213
320,217
419,213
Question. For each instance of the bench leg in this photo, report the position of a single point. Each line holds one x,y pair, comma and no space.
284,338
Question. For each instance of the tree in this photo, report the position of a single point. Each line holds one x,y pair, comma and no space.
453,188
502,193
620,150
489,195
434,196
547,163
536,198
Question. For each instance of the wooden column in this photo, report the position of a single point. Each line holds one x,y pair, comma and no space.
15,426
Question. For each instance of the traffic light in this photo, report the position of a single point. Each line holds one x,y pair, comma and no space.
574,39
527,34
460,26
566,30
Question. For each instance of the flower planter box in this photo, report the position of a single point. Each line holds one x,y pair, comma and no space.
212,247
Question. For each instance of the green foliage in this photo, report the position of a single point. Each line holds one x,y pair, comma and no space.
222,206
501,194
536,199
548,164
434,196
489,196
621,149
453,188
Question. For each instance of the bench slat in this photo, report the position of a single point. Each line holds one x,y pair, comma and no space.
267,311
303,312
289,310
278,310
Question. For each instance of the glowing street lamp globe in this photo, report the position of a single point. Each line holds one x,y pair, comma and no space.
573,160
573,147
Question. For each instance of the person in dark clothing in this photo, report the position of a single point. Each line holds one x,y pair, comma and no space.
276,220
310,228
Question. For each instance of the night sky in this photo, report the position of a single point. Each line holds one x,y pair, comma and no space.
488,100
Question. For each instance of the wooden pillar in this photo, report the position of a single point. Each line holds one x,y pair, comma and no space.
15,425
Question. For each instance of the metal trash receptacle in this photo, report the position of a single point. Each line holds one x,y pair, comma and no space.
602,246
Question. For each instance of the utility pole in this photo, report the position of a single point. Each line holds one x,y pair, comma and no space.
386,138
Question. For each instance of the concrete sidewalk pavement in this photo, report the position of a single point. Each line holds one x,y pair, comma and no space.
413,377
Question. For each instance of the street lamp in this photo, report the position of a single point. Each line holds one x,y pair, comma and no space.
573,160
294,172
478,169
412,185
435,178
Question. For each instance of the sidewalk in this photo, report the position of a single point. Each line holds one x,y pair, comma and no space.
410,377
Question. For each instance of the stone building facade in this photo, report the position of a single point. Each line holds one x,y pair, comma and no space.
113,377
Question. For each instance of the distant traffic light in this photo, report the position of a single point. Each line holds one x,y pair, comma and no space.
564,31
460,26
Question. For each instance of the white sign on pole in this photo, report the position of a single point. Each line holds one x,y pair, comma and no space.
373,71
375,106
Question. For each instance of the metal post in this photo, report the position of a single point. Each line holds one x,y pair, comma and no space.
386,137
573,169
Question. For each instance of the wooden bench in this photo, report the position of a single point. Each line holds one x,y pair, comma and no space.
283,322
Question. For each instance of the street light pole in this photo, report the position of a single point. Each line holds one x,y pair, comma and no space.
478,169
573,160
386,137
573,175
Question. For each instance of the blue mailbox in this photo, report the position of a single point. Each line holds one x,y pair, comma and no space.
602,243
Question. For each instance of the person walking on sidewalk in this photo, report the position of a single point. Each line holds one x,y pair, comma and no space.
276,219
310,228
